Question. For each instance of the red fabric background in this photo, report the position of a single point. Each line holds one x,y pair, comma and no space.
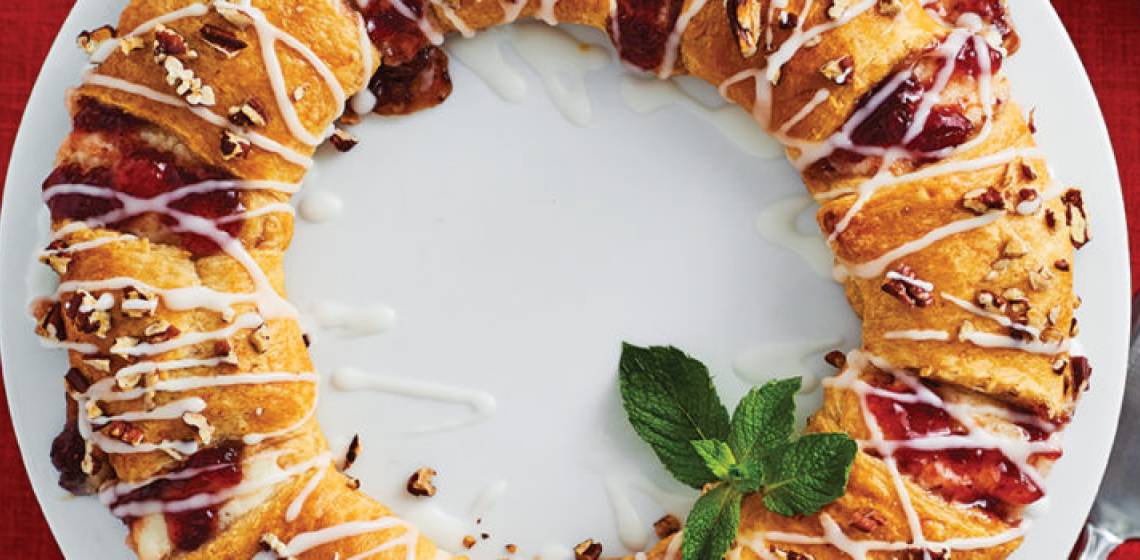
1105,32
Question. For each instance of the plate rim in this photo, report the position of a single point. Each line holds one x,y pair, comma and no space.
61,41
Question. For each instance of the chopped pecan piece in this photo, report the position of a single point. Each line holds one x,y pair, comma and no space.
52,325
1076,218
260,339
222,40
990,301
1061,264
839,70
588,550
980,201
904,284
270,543
168,42
469,541
666,526
125,432
1041,279
746,20
353,452
75,380
248,114
138,303
160,331
421,483
1082,371
90,314
890,8
868,520
201,425
836,359
234,145
131,44
89,40
342,140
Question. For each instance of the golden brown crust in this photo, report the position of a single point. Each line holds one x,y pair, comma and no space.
958,266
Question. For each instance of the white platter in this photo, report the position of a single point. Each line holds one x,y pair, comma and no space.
518,250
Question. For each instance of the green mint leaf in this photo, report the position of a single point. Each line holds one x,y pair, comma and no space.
746,477
712,524
717,456
764,420
808,474
670,400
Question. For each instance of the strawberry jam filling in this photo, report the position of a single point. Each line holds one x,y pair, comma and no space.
420,83
413,75
990,12
979,477
217,469
141,172
888,123
642,29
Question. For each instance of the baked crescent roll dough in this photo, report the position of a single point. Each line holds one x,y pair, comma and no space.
191,394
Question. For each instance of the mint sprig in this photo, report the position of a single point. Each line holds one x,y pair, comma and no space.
671,402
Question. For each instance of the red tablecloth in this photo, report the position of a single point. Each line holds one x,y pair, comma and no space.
1106,33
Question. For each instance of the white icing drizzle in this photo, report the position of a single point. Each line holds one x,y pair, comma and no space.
511,10
800,37
562,63
632,530
355,319
268,37
482,404
762,363
917,334
991,340
255,138
295,506
454,18
483,55
113,492
673,43
545,11
244,321
168,411
920,284
85,245
816,100
873,268
425,25
777,224
364,101
306,541
320,206
270,303
1015,450
205,499
104,390
488,499
647,96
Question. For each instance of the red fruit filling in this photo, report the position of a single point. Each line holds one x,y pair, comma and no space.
419,83
984,478
643,28
991,12
398,38
141,172
220,469
886,126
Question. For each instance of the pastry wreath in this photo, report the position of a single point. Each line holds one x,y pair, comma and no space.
197,121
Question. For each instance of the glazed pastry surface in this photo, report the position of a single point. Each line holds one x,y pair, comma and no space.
191,396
